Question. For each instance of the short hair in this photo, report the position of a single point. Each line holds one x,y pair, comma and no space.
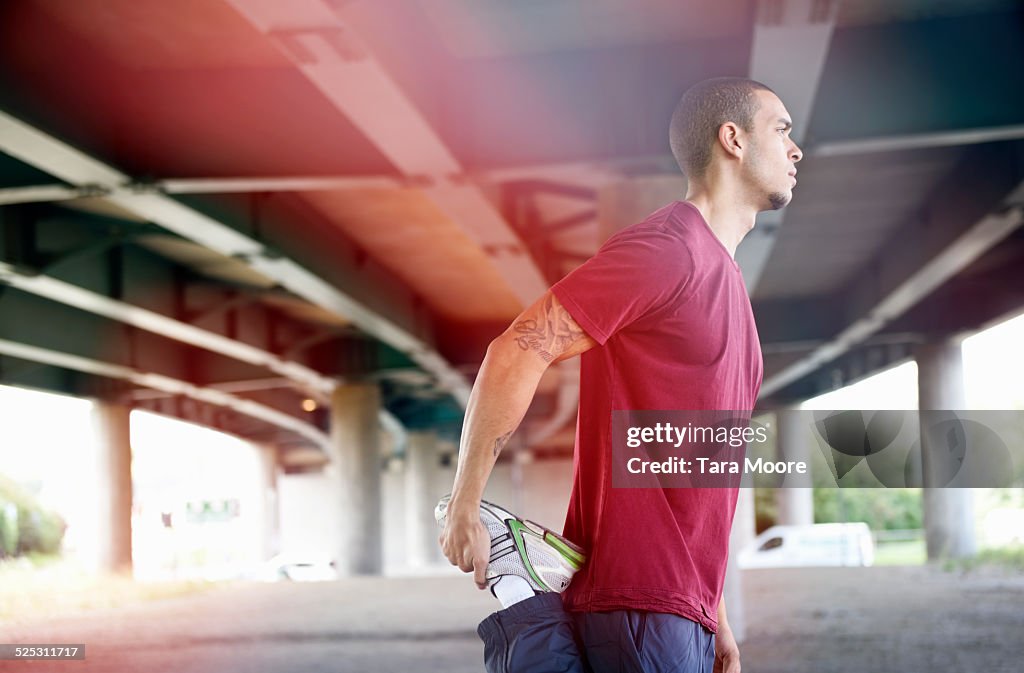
701,112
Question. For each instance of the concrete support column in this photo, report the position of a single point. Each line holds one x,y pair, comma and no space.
948,512
357,463
421,530
270,516
114,488
742,534
794,498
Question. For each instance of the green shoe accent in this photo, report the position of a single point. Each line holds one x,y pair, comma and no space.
517,535
575,559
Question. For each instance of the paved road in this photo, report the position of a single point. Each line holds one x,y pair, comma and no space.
821,620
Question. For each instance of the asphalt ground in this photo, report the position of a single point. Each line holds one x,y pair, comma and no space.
900,619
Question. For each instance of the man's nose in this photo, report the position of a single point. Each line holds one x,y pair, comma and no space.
796,154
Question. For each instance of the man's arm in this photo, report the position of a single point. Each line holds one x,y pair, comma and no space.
543,334
727,652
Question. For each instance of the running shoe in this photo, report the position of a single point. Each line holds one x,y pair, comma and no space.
546,560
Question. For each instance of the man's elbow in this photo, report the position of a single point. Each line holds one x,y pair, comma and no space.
503,346
511,349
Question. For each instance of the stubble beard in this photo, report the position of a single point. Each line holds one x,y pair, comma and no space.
778,200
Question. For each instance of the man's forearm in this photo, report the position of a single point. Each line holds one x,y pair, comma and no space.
501,395
727,651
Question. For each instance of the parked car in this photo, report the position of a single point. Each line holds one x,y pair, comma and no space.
296,568
821,544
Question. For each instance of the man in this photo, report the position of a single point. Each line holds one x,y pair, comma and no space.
662,320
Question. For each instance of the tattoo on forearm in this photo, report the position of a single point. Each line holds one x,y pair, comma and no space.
552,335
500,443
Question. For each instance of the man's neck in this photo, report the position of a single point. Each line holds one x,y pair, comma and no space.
729,220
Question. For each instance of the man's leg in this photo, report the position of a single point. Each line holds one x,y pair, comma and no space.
528,568
630,641
532,636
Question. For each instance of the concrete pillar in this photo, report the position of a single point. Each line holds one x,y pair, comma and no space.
742,534
421,530
113,488
948,512
356,453
794,498
270,518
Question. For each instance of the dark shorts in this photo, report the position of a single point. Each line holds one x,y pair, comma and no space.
538,636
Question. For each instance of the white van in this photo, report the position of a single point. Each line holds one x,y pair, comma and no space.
820,544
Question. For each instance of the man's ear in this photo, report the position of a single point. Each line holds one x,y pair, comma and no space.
731,139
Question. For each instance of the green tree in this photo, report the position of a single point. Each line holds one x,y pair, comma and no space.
880,508
34,529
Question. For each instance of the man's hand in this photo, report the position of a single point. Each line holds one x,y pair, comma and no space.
727,652
466,543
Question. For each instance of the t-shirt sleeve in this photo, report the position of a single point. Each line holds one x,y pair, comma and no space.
629,278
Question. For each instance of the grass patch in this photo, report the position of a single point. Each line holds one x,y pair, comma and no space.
902,553
1007,558
47,587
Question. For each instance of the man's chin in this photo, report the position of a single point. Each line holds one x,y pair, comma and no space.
778,200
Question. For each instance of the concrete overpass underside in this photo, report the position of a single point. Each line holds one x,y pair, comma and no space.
228,211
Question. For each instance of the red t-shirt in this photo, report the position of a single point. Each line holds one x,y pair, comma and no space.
669,308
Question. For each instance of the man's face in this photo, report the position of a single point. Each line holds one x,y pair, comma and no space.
772,154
